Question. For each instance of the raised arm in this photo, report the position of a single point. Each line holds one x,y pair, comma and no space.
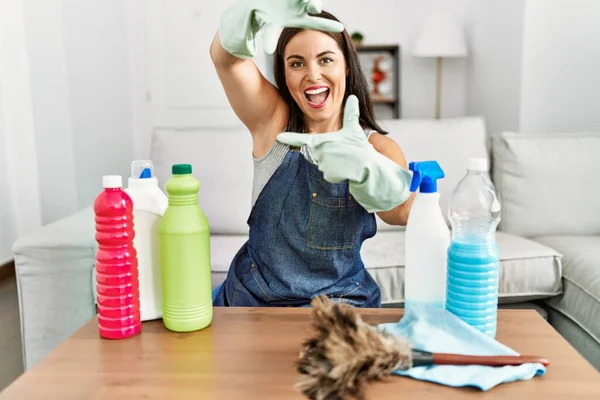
253,98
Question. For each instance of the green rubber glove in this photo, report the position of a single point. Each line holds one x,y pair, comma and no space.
240,23
376,182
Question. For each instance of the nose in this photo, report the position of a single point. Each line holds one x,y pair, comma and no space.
313,73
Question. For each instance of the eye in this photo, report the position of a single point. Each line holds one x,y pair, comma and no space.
326,60
296,64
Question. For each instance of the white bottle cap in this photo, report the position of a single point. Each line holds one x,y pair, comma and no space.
478,164
112,181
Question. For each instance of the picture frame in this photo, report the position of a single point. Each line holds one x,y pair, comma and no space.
381,66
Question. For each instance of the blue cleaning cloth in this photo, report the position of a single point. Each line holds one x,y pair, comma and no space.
439,331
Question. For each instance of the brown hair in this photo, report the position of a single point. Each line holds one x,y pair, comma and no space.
356,83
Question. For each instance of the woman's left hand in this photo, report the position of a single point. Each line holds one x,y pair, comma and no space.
376,182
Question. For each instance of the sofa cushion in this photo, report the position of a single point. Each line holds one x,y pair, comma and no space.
528,270
449,141
65,236
222,161
545,183
580,300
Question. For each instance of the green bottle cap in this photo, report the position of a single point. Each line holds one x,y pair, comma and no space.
181,169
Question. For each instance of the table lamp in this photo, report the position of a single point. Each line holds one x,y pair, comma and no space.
440,36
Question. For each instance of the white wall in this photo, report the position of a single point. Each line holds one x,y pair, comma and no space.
65,108
398,21
173,80
495,35
561,66
175,84
20,210
99,91
80,89
534,64
8,231
51,107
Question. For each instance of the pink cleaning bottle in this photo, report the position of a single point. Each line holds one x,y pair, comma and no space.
116,262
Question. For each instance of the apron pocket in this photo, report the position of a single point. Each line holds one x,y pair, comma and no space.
354,293
331,224
256,284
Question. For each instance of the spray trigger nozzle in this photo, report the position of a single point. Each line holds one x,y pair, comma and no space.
425,176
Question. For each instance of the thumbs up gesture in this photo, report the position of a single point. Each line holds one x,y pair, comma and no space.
376,182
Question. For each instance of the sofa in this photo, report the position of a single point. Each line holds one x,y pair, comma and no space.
549,186
550,258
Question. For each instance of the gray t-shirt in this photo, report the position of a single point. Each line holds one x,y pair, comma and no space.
265,166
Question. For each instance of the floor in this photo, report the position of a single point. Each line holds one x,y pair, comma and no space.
11,361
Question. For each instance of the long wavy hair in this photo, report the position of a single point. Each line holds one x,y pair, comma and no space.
356,83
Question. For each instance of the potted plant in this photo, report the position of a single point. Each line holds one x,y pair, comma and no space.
357,38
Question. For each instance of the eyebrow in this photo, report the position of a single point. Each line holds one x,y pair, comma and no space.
318,55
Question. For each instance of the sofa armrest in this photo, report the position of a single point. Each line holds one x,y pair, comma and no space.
54,267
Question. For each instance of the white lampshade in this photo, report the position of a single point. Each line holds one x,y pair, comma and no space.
440,36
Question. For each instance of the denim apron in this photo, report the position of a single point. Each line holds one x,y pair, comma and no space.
305,240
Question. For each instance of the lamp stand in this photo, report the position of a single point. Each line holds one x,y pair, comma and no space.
438,88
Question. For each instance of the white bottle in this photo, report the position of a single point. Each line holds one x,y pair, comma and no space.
427,240
149,205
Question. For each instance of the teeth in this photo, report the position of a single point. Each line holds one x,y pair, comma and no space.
316,91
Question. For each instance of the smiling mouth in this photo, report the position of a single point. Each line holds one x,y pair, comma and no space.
317,97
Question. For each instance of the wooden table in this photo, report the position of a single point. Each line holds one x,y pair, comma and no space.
250,354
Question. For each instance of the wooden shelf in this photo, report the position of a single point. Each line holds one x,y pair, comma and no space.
382,101
376,47
394,51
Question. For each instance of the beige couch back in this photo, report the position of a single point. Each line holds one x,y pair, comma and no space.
222,161
450,142
548,184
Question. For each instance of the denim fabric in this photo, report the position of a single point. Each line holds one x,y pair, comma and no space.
305,240
216,291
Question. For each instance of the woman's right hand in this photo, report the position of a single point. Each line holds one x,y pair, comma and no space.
240,23
376,182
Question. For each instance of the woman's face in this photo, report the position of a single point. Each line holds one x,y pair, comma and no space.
315,73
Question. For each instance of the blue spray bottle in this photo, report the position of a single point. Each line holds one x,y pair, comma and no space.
427,240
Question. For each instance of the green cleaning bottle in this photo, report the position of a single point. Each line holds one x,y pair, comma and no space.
185,255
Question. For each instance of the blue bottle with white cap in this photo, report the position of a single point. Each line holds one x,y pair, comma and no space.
473,257
427,239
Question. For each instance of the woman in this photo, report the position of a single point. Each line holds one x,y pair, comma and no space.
312,183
